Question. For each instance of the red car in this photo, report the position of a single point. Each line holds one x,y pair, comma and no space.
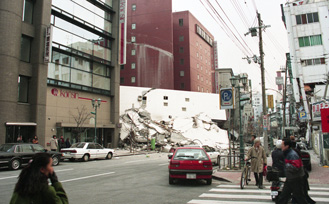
190,163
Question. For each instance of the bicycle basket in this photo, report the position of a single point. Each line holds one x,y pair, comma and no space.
272,174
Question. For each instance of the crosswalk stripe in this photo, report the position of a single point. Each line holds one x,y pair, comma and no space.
258,191
244,196
195,201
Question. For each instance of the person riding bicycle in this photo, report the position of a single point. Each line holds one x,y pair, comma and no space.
278,159
258,161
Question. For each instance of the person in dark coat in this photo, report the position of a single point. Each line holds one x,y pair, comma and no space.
278,159
294,183
67,143
61,143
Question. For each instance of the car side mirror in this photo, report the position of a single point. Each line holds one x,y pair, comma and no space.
170,155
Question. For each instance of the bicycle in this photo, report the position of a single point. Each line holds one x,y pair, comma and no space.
245,175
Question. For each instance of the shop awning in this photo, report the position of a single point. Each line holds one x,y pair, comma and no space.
73,125
21,123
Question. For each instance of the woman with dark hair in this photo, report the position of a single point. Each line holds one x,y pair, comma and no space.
33,187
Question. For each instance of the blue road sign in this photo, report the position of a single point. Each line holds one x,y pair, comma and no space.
226,98
302,115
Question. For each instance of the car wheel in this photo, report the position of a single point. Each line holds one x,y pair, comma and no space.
109,155
55,160
15,164
85,158
209,181
71,159
171,181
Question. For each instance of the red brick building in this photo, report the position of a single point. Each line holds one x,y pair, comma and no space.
149,45
193,53
167,50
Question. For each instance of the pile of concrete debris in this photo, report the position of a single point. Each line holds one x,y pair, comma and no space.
138,129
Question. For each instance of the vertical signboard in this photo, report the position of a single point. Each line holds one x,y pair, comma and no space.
325,120
270,101
216,66
48,44
122,32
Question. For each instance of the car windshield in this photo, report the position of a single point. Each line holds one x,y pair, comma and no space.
78,145
190,154
6,147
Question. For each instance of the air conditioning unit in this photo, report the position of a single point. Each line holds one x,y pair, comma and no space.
140,98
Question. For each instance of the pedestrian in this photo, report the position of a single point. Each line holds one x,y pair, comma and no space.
253,137
35,140
278,158
61,142
258,161
293,142
33,187
294,183
53,143
20,139
67,143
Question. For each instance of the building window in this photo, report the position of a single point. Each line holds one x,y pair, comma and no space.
198,88
122,80
133,39
201,68
202,89
133,65
133,7
307,18
165,97
310,40
133,26
181,50
165,104
197,54
183,108
311,62
28,11
23,89
122,67
181,22
133,79
181,73
25,48
198,77
181,38
197,66
187,99
182,85
181,61
133,52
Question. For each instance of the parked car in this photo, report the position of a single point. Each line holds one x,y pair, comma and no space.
190,163
14,155
213,154
86,151
306,157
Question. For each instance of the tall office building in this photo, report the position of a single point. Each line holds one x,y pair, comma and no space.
56,57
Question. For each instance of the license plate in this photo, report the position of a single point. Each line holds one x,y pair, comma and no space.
274,193
191,176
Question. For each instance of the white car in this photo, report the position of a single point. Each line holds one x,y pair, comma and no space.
213,154
86,151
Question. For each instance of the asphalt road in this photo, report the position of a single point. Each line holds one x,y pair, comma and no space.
132,179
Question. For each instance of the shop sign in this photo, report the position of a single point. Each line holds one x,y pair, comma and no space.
64,93
325,120
204,35
316,108
48,44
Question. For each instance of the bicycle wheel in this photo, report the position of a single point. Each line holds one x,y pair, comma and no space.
247,175
243,178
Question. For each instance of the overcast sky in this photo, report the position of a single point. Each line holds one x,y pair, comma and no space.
230,56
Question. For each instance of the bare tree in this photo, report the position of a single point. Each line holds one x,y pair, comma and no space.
80,118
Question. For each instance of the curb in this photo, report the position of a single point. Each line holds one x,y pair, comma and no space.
132,154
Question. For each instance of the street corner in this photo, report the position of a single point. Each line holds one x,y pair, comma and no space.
227,176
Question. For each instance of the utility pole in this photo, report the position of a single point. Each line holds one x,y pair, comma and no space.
284,103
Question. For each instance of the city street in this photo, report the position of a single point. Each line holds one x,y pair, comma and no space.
144,179
131,179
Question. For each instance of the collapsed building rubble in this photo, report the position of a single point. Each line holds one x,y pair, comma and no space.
138,129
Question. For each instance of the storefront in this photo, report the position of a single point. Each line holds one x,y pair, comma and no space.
16,129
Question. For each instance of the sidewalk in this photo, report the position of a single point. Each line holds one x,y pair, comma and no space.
318,175
123,152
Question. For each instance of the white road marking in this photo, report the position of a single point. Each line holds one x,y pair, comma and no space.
240,190
86,177
238,186
135,161
8,177
60,170
235,196
163,164
223,202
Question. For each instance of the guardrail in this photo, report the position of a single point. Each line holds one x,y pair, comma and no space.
230,161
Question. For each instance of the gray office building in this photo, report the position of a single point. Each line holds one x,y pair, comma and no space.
56,56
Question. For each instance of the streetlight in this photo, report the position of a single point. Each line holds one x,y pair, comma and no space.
96,104
235,81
